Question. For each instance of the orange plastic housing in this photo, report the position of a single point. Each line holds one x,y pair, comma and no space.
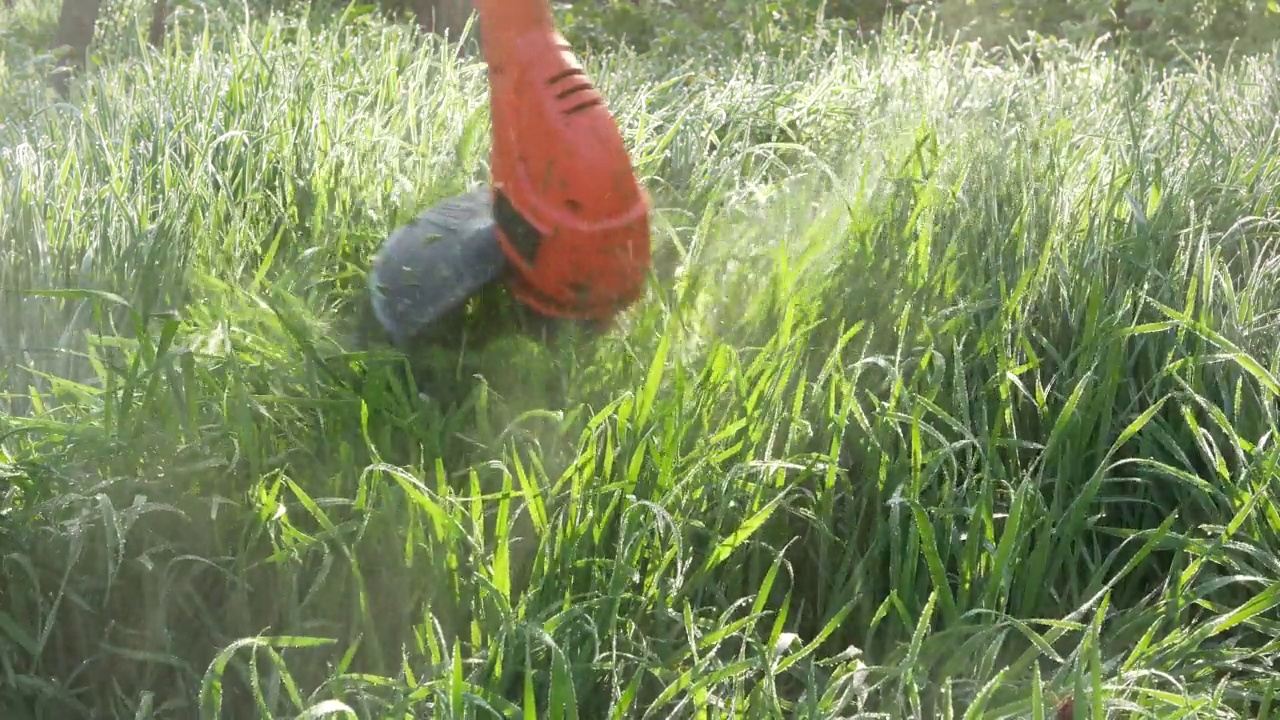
572,218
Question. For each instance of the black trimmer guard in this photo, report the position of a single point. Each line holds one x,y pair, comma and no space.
430,268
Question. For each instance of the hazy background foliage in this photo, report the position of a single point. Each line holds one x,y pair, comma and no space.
1162,30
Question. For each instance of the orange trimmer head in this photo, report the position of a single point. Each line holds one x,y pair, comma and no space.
564,220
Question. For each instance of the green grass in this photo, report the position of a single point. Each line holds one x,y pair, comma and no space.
954,394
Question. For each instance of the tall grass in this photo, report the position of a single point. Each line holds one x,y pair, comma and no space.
953,395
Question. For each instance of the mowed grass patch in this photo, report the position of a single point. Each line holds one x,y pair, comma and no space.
953,395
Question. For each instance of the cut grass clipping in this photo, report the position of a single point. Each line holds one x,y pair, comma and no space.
954,394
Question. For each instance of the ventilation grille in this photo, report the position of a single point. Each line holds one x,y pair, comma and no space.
573,90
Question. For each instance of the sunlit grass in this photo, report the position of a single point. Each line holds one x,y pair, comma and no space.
953,395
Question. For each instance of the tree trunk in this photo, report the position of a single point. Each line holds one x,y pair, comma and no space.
443,17
75,31
159,15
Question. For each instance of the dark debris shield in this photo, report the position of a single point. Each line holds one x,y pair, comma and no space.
432,266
